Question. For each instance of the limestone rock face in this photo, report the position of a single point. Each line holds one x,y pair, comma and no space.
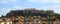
30,12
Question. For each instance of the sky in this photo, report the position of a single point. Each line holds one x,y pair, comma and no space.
7,5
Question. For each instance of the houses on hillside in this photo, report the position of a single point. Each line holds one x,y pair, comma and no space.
29,16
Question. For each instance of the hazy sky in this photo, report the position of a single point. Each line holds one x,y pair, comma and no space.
7,5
